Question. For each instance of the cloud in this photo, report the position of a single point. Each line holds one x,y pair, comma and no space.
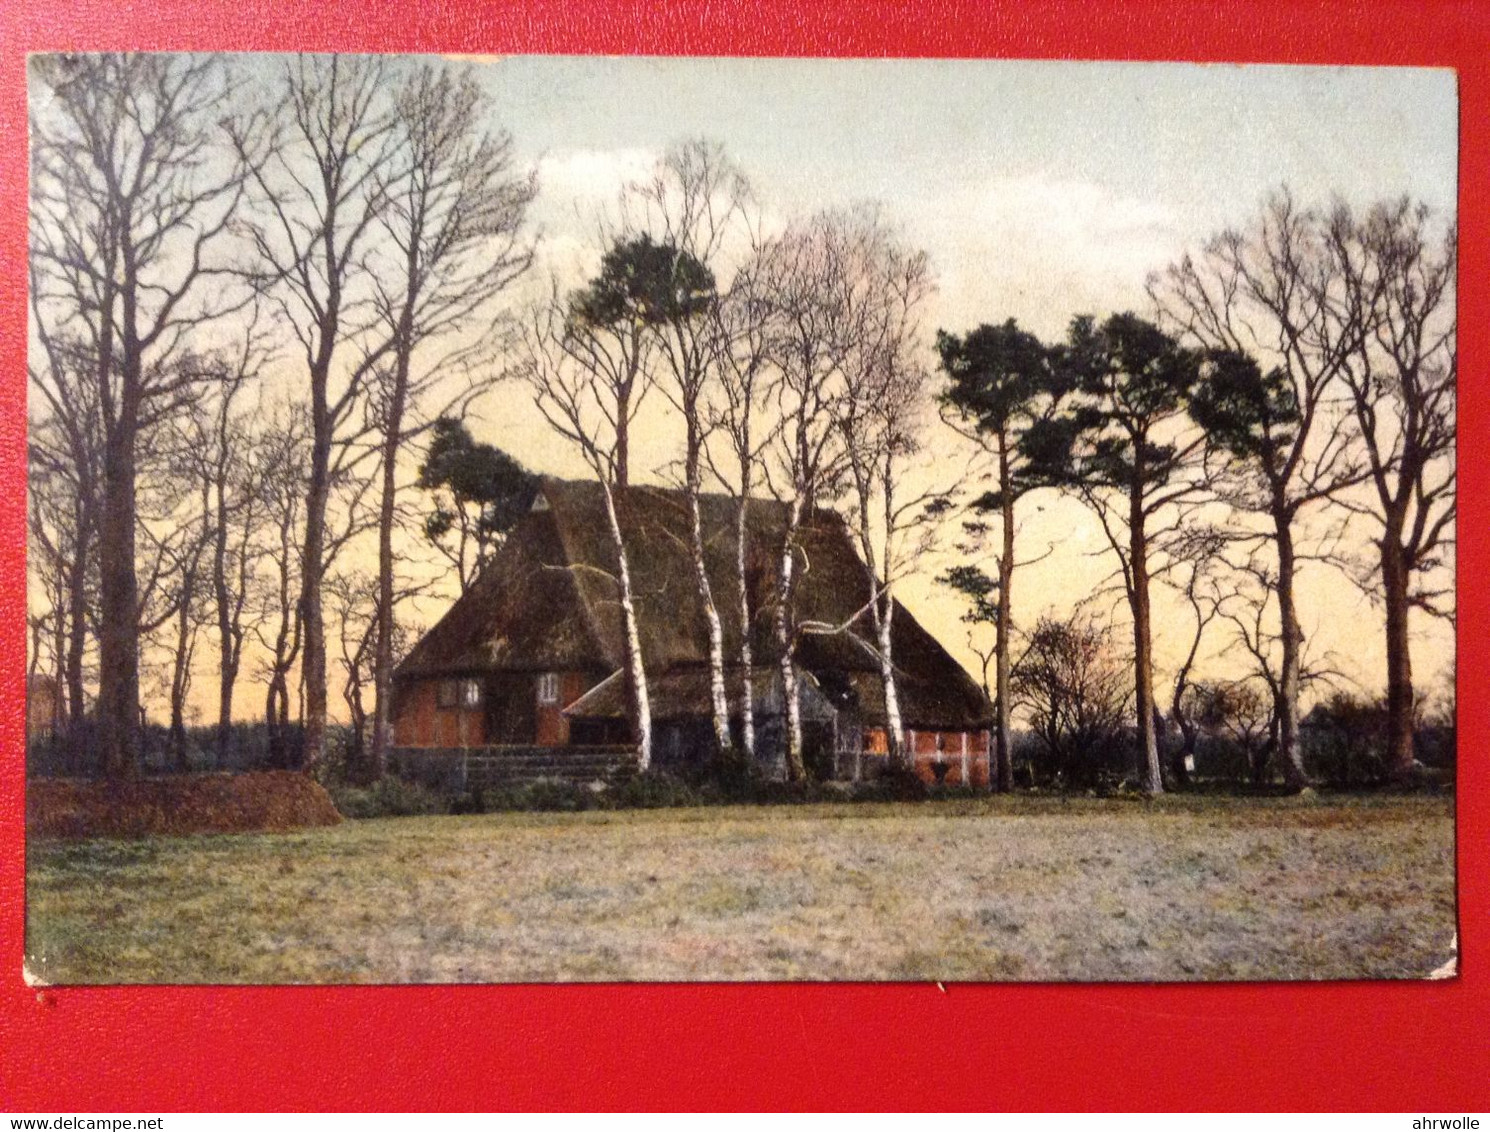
1042,249
595,176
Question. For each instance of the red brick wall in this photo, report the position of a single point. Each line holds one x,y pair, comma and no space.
421,722
946,747
923,746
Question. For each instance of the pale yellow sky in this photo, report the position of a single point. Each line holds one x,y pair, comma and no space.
1040,190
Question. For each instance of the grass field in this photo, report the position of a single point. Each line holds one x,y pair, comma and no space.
1004,888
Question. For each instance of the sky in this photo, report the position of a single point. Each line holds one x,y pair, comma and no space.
1041,190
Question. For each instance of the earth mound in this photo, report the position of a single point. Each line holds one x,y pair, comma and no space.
175,805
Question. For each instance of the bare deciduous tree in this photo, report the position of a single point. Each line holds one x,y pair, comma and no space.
807,278
1398,277
1272,290
884,410
586,361
130,197
316,204
1076,690
64,459
283,457
453,211
737,420
692,206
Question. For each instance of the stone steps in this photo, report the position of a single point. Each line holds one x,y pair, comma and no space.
485,767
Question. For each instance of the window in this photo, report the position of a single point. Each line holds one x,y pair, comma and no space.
458,693
548,688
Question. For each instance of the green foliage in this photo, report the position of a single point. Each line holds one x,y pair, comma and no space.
980,589
1001,382
1128,378
488,491
645,281
1345,740
387,797
895,784
1252,415
653,790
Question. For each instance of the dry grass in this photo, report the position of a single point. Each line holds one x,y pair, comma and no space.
1181,889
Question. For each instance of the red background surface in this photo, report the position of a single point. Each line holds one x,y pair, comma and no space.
1329,1046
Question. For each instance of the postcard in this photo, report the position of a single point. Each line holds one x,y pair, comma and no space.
584,519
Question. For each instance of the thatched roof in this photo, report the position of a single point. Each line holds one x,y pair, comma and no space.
679,694
549,599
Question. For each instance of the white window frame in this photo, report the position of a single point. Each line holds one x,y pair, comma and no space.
468,694
548,688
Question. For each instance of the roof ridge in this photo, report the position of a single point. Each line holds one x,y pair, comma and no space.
679,492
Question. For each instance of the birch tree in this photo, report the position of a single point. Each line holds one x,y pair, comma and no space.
808,275
884,408
693,204
745,433
586,360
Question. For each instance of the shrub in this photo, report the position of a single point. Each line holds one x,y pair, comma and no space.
1345,740
893,784
388,797
652,790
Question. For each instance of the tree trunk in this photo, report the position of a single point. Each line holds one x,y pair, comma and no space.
1002,776
181,675
718,699
77,624
1290,750
884,607
1395,577
1149,774
893,724
747,694
273,734
377,755
881,611
383,633
796,769
636,673
312,566
622,461
227,648
118,614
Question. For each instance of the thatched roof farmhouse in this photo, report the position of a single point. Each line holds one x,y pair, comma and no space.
531,655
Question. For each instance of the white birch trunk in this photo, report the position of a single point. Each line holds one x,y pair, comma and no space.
887,673
786,642
747,694
636,675
717,695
